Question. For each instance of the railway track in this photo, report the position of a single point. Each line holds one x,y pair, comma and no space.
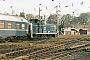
66,52
33,52
55,52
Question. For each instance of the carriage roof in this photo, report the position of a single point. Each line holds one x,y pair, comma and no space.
12,18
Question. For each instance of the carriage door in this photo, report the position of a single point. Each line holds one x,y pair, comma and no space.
30,32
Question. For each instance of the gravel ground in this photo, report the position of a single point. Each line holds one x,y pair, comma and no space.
84,55
77,56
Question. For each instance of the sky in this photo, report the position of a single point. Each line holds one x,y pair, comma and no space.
47,6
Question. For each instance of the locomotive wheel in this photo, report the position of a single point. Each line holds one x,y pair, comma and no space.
50,36
42,37
8,39
38,37
15,38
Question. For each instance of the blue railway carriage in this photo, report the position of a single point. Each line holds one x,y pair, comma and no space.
39,30
12,27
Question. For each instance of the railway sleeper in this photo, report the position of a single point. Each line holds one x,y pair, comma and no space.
22,58
50,52
14,53
3,56
47,59
87,49
37,55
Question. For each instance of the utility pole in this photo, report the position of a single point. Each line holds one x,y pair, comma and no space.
57,19
39,11
13,11
57,26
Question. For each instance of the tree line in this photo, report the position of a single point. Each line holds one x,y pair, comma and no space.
68,19
82,19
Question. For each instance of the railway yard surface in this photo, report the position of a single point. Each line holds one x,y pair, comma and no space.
63,47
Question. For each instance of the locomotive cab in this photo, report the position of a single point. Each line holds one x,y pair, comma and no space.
32,29
39,30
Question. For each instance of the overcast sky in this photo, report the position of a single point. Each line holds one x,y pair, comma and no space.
47,6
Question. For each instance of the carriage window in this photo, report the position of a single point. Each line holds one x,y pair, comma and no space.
9,25
17,26
23,26
1,24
